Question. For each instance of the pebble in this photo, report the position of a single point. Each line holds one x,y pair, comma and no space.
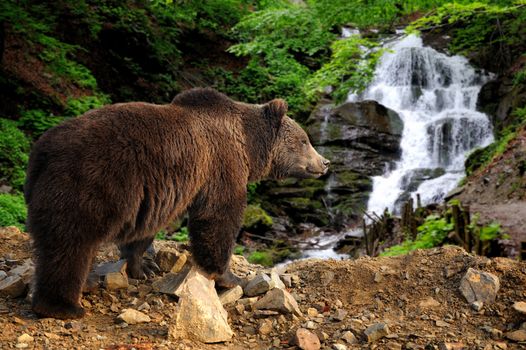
339,347
340,315
518,335
259,285
265,327
429,303
520,306
477,305
306,340
376,331
278,300
349,337
231,295
440,323
311,325
24,338
312,312
131,316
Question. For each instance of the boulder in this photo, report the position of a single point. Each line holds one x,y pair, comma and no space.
479,286
201,316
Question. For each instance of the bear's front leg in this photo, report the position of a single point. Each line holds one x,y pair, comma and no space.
137,266
213,228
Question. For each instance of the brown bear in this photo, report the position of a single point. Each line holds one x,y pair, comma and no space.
122,172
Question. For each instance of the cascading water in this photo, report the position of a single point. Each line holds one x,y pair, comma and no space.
435,95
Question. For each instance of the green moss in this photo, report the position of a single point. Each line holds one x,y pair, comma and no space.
256,218
13,210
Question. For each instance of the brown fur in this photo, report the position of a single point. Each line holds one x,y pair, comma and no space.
122,172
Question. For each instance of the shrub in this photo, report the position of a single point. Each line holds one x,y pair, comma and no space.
14,148
13,210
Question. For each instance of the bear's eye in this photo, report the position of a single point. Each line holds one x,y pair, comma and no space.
304,142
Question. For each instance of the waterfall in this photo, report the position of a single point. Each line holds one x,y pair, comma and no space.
435,95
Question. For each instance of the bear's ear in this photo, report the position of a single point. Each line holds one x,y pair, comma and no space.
275,110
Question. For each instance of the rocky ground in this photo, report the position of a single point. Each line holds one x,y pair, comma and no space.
442,298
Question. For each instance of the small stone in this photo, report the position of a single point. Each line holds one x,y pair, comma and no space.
338,303
166,258
259,285
518,335
429,303
51,336
278,300
340,315
311,325
376,331
12,286
265,327
393,346
247,301
108,267
116,280
349,337
451,346
24,338
3,274
339,347
520,306
144,306
440,323
479,286
25,271
477,305
287,280
306,340
501,345
73,326
274,276
131,316
265,313
312,312
231,295
378,277
179,264
240,308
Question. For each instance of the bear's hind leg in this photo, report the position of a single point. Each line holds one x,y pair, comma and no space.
61,271
137,266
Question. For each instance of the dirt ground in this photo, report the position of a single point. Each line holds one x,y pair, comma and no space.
416,295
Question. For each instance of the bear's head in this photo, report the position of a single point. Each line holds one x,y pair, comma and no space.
292,153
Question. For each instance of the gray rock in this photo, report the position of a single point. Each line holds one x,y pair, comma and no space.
477,305
201,316
171,282
339,315
3,275
279,300
131,316
349,337
12,286
287,280
339,347
259,285
376,331
109,267
231,296
25,271
306,340
479,286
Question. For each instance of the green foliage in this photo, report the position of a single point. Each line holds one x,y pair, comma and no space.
14,148
78,106
430,234
262,258
239,250
490,232
13,210
351,68
256,218
37,121
478,24
252,192
179,236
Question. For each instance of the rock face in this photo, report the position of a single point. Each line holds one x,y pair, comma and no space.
479,286
360,139
201,316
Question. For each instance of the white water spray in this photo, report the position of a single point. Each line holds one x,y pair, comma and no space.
435,96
